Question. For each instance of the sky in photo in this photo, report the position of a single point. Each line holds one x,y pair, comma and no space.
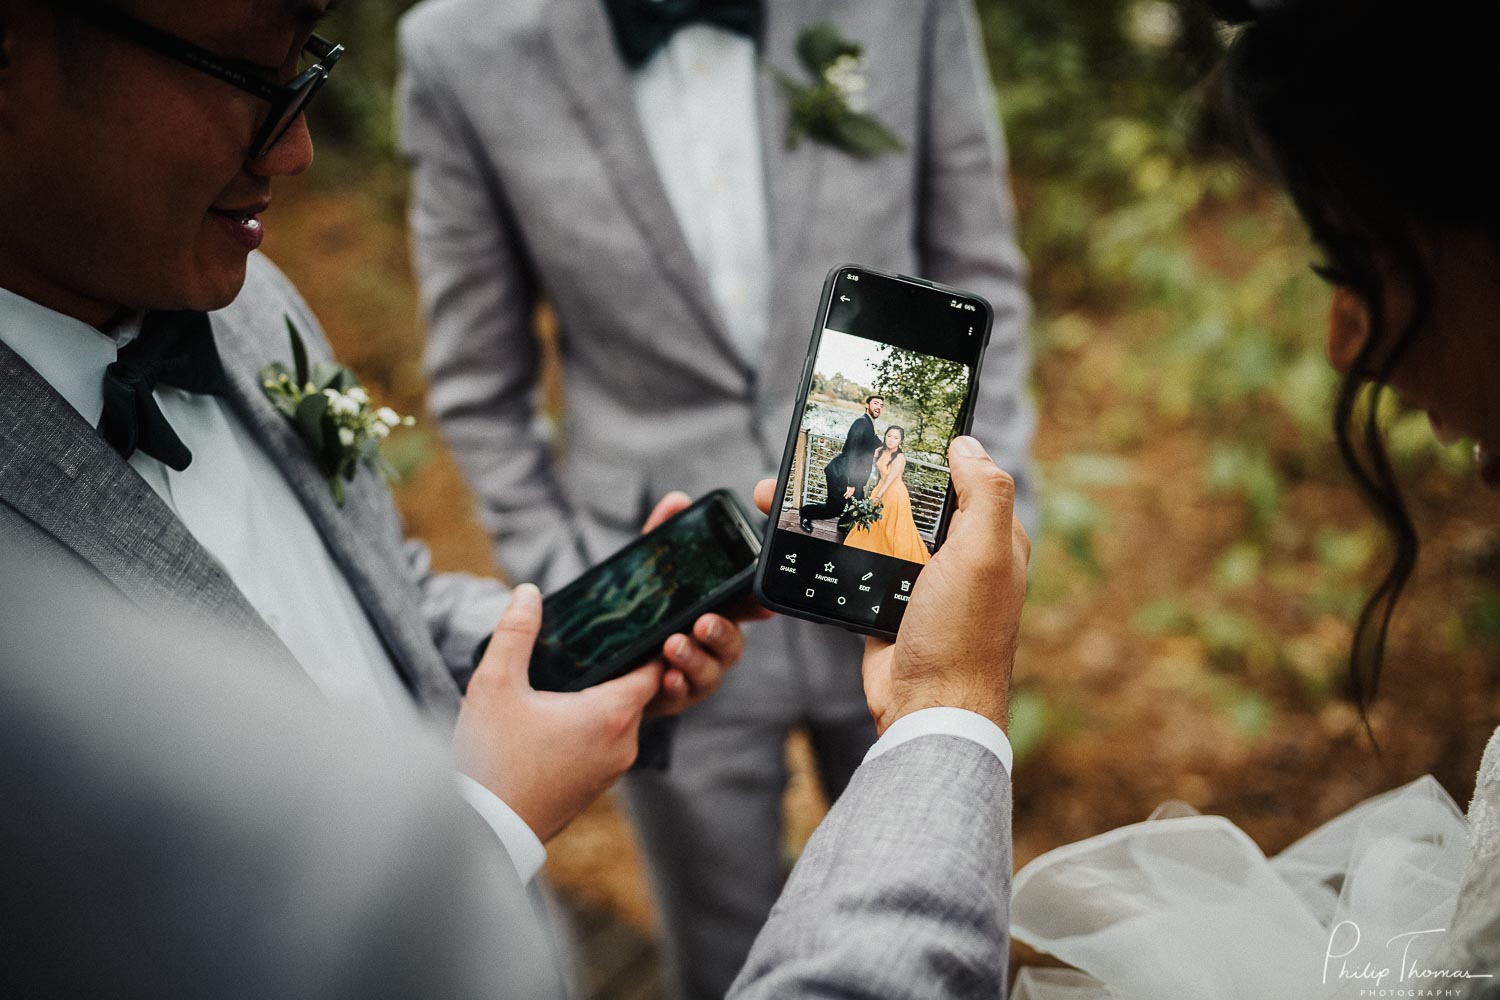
853,357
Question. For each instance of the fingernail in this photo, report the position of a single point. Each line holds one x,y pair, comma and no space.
968,447
714,630
526,597
679,645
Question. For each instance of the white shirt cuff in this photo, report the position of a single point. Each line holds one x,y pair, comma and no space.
946,722
525,850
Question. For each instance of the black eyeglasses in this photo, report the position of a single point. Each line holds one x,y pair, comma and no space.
287,101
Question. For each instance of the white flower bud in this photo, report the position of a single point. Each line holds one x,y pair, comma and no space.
379,431
346,437
388,416
358,394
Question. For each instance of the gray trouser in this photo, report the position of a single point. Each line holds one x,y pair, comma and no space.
710,826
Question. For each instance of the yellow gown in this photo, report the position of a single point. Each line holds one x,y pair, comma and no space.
895,534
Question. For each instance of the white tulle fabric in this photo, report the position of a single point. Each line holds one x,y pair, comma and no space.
1186,906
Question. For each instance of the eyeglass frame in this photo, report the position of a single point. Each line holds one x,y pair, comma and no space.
282,97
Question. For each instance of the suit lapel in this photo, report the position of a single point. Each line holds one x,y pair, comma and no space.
371,570
792,177
597,80
58,473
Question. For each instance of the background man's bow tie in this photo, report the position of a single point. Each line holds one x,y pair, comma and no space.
643,26
176,349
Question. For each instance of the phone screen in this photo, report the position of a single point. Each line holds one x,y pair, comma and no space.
865,499
622,609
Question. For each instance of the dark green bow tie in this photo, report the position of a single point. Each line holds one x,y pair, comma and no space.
176,349
643,26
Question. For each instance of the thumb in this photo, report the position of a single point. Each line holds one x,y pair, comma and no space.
633,691
986,493
509,652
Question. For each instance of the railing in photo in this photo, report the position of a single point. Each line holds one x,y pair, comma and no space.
927,482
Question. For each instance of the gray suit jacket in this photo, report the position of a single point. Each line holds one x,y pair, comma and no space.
57,473
903,891
532,180
185,818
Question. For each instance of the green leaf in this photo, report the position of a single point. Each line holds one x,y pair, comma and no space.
864,137
337,486
1248,712
310,424
1166,616
820,45
1238,567
299,353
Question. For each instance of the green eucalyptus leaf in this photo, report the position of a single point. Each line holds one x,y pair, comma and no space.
299,353
820,45
310,423
864,137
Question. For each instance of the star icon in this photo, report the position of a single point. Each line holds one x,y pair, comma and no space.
828,567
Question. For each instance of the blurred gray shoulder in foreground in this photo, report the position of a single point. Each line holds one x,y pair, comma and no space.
182,820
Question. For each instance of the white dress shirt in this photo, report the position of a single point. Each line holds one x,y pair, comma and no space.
240,507
698,107
698,103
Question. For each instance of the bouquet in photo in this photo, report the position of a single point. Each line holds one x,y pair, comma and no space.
860,512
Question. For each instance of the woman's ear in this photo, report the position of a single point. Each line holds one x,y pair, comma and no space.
1348,329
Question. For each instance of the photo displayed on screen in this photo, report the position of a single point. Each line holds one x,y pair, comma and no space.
608,612
870,466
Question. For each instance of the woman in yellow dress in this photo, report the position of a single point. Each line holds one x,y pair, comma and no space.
895,534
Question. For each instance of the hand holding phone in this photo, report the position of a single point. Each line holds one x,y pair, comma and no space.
864,496
618,614
958,639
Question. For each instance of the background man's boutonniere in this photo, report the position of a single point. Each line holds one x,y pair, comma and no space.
332,413
832,109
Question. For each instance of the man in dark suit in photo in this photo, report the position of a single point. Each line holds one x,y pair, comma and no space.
849,471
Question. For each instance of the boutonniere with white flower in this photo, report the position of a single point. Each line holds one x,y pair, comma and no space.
332,413
833,108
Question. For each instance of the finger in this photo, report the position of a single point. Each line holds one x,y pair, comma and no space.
721,637
509,652
765,492
748,610
986,493
702,668
673,503
675,695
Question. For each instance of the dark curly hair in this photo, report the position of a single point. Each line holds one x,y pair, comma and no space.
1368,113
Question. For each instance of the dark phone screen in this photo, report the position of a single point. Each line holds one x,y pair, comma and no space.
590,625
866,499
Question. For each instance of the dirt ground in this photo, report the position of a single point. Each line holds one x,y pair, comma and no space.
1131,719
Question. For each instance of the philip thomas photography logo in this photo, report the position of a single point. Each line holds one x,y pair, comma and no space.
1393,971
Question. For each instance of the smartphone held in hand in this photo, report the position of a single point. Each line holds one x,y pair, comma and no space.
863,498
617,614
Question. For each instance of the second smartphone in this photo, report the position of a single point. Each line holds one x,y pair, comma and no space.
617,614
864,497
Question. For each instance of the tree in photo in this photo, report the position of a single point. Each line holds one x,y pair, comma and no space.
929,392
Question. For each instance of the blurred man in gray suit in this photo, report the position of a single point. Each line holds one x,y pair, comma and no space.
136,162
626,162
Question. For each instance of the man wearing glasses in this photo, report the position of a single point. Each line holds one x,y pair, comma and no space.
185,817
138,145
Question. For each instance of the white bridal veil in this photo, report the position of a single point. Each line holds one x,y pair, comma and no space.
1186,906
